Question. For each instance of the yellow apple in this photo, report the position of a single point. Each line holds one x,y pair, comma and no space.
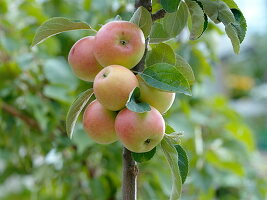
159,99
113,85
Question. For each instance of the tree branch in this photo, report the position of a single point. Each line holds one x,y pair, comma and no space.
16,113
158,15
145,3
130,169
141,65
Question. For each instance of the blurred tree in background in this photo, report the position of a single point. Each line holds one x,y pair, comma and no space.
38,161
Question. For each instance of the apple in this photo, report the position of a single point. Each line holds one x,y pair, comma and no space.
113,85
159,99
82,59
140,132
119,43
99,123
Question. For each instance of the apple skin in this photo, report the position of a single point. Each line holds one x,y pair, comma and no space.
82,60
119,43
140,132
160,100
99,123
113,85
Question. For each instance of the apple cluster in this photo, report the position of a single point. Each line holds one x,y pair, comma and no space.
106,59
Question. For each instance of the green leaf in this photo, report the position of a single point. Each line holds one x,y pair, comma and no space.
233,20
118,18
55,26
169,129
158,34
166,77
185,69
81,140
211,9
170,5
174,137
232,34
218,11
182,162
231,4
240,24
242,133
172,158
57,71
57,92
143,157
134,103
142,18
163,53
174,23
225,15
215,158
160,53
199,20
75,110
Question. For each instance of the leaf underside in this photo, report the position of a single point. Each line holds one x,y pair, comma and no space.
143,19
75,110
170,153
55,26
134,104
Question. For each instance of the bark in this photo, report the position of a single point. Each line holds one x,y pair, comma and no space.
17,113
158,15
130,169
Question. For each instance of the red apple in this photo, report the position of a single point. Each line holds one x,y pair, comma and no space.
82,59
140,132
113,85
99,123
119,43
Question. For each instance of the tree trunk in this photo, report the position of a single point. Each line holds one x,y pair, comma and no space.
130,169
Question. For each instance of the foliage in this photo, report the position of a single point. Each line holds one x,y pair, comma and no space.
55,26
246,85
142,18
134,103
37,90
75,110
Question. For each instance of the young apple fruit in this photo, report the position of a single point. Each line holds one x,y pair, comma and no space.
99,123
113,85
140,132
160,100
82,59
119,43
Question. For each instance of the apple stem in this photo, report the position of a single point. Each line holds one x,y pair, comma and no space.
130,168
130,171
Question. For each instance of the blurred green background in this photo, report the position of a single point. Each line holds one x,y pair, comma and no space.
224,122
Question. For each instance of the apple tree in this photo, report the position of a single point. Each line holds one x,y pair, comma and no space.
133,74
